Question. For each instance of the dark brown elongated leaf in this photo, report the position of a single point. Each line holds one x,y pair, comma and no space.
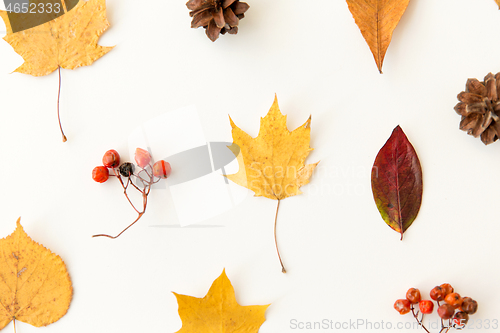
397,182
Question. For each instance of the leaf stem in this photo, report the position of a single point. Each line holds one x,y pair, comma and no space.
58,98
14,325
275,239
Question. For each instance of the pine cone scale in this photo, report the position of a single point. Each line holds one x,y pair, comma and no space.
231,18
219,18
201,20
469,98
227,3
475,87
213,31
240,8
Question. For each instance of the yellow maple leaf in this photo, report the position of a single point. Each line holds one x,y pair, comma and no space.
69,41
377,20
35,287
498,3
272,164
218,311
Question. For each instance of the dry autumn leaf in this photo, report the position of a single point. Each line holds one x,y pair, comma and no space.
218,311
35,287
272,164
498,3
397,182
69,41
377,19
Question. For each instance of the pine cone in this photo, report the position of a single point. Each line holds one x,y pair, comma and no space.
217,16
480,108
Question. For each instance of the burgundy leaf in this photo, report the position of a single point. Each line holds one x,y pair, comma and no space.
397,182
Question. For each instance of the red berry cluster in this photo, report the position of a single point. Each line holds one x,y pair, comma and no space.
455,309
145,178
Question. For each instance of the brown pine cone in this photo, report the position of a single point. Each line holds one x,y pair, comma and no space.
480,108
217,16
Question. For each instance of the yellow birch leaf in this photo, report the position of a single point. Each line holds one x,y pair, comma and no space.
218,311
272,164
68,41
377,20
35,287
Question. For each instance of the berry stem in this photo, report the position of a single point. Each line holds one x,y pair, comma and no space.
421,321
145,192
64,139
275,239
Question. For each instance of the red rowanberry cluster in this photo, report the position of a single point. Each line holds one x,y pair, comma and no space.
455,309
147,176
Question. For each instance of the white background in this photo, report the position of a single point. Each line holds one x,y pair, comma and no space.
344,263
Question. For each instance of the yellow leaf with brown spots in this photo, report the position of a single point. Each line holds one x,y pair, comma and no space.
68,41
35,287
218,311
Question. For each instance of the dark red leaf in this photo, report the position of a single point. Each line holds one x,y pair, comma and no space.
397,182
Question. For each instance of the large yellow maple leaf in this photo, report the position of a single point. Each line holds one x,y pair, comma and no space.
69,41
35,287
218,311
272,164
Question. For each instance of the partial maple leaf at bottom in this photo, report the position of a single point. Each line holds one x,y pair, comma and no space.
272,164
35,286
218,311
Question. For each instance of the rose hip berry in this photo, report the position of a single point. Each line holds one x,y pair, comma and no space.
437,293
448,289
454,299
446,311
413,295
403,306
100,174
162,169
426,306
142,157
469,305
461,318
127,169
111,159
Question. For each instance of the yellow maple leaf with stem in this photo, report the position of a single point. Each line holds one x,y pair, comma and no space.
272,164
68,41
35,287
218,311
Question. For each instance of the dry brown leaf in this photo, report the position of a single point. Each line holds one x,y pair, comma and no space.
35,287
377,19
218,311
69,41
